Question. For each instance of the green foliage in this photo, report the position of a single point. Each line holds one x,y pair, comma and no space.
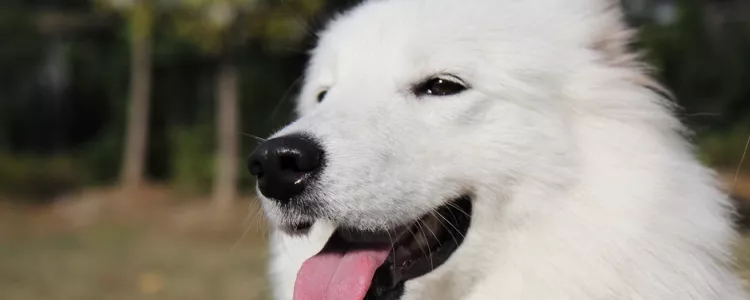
141,19
706,66
208,38
192,158
217,25
95,100
38,178
140,14
20,49
100,158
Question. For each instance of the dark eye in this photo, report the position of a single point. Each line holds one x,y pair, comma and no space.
322,96
438,86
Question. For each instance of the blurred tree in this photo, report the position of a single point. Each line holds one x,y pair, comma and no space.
141,22
140,15
220,28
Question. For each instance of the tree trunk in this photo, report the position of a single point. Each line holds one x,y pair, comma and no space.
225,181
134,160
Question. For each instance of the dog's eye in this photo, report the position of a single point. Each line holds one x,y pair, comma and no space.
322,96
438,86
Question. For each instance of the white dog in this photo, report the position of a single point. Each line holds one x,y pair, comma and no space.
489,149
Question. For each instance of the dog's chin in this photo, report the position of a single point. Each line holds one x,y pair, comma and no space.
414,248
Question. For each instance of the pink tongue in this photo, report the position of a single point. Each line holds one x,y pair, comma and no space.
338,276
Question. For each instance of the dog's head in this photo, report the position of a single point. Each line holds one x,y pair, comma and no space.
409,104
413,107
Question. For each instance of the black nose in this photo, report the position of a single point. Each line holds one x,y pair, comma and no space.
285,166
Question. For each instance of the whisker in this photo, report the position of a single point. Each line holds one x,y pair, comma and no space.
247,218
250,226
451,224
739,167
452,214
393,246
259,224
242,237
258,214
421,230
415,238
254,136
459,209
433,234
285,96
442,224
300,20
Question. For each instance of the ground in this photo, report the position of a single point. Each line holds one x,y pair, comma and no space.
82,250
177,252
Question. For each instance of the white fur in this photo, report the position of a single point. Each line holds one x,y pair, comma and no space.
583,184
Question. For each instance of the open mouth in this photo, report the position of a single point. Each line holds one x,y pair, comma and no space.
356,265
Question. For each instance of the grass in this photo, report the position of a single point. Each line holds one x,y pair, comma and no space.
145,259
743,259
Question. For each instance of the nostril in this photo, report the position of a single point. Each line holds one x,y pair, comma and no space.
299,161
289,163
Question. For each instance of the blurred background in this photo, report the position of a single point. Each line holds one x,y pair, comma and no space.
124,125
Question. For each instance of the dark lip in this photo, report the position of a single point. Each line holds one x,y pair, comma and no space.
417,248
298,228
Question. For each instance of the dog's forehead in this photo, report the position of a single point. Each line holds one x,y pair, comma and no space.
404,37
387,36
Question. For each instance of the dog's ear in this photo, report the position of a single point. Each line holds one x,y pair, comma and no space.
613,39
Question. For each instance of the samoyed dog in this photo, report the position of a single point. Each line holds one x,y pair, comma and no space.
488,149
